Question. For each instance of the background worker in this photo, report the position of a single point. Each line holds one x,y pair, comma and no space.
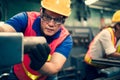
103,46
49,22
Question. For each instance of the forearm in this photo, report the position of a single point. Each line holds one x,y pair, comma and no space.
6,28
48,70
117,55
1,29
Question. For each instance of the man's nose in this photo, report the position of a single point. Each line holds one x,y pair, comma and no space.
51,22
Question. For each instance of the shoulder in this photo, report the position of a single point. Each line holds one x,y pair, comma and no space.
68,39
18,17
103,36
18,21
105,33
65,47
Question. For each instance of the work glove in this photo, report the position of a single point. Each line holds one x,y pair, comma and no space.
39,55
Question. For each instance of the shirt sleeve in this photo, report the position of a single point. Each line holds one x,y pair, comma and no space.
18,22
105,39
65,47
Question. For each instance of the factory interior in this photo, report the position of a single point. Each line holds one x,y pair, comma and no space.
84,23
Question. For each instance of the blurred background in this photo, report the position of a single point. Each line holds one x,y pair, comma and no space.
86,20
97,13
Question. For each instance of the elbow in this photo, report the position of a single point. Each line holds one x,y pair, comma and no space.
54,71
50,71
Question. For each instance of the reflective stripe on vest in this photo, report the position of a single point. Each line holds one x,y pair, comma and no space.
88,57
30,32
30,75
113,38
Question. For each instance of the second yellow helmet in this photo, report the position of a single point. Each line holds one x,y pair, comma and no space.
116,17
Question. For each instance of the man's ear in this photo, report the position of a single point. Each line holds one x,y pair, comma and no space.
118,27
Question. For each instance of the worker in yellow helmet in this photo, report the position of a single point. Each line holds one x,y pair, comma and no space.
116,18
103,46
41,61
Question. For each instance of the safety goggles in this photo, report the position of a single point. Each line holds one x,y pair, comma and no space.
48,18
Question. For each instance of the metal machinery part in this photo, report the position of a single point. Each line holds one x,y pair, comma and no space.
13,46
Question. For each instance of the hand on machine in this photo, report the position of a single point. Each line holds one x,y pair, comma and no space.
38,51
39,55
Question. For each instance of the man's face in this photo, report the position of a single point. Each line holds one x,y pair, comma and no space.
51,22
117,31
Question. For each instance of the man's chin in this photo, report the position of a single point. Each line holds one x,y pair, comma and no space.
49,34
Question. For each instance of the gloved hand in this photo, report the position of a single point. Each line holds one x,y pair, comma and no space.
39,55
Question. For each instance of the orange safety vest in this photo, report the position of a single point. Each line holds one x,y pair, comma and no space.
23,71
88,57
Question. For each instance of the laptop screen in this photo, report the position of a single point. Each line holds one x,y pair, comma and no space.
11,48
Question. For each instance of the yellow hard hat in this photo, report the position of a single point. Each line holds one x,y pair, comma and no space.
116,17
61,7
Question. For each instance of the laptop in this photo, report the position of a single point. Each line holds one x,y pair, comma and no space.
11,49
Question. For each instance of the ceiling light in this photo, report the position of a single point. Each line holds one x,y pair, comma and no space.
89,2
